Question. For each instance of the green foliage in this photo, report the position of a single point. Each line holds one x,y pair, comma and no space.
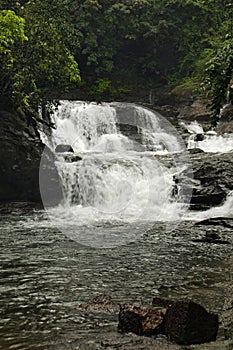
131,44
103,90
36,58
218,76
11,31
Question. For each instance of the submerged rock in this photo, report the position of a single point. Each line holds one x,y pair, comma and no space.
211,238
101,303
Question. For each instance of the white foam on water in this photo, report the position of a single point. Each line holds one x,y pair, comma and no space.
212,142
118,180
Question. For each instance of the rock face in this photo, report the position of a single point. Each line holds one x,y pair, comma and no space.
213,173
63,148
20,154
189,323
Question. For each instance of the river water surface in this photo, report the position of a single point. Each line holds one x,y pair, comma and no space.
45,277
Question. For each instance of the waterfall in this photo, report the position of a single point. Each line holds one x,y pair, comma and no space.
119,177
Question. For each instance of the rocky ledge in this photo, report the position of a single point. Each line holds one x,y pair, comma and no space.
213,175
20,153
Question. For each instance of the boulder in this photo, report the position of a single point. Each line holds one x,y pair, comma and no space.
140,320
212,173
187,323
199,137
63,148
195,150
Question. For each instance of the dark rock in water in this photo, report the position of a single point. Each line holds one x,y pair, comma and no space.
196,150
101,303
63,148
70,158
216,221
140,320
211,237
199,137
213,175
189,323
210,240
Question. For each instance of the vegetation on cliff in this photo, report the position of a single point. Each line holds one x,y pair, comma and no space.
119,47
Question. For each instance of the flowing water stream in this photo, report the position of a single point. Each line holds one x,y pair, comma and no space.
123,228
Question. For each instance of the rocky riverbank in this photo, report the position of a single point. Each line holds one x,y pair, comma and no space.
20,153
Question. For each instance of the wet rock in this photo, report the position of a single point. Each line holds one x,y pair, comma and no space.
189,323
199,137
213,175
140,320
195,150
63,148
50,182
216,221
20,153
101,303
70,158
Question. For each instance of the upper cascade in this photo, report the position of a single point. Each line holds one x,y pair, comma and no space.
111,127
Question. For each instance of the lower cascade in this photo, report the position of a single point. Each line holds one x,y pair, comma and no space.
123,169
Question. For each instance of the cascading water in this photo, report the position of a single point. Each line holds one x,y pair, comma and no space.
211,141
118,178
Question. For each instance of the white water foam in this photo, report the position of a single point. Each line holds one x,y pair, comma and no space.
118,181
212,142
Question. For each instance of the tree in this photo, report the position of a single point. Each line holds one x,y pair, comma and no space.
11,34
37,62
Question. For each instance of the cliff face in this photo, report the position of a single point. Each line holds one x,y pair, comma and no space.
20,157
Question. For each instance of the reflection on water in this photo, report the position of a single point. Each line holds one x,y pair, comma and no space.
45,276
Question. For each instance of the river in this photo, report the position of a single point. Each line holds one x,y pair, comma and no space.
106,240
